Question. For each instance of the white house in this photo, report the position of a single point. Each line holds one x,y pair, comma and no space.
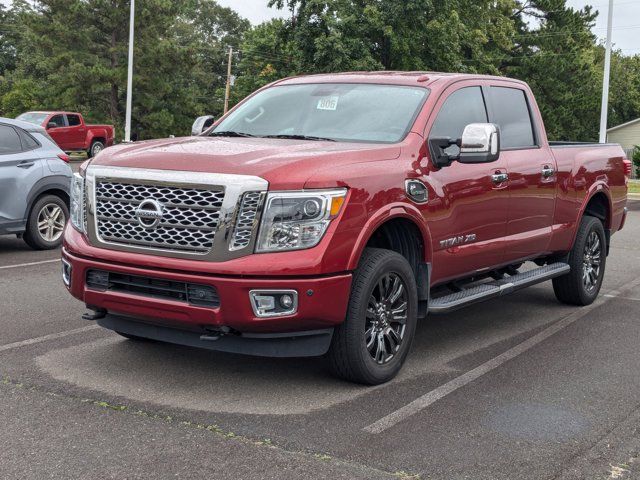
627,134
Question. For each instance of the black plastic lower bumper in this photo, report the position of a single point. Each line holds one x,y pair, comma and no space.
295,344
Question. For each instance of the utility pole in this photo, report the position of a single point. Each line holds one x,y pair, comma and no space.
605,82
227,92
127,123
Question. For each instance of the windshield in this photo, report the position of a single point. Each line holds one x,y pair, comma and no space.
339,112
33,117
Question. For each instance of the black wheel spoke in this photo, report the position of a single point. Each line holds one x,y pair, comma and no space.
591,261
386,318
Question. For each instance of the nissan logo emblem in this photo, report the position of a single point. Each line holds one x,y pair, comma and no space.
149,213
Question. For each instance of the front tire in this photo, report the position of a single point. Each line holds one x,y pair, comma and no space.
372,344
46,222
587,259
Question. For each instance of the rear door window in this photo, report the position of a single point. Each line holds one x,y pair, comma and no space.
9,140
74,120
511,113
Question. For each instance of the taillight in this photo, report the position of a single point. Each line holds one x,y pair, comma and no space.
627,167
65,158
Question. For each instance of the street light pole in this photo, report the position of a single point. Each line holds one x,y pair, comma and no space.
605,82
127,124
227,91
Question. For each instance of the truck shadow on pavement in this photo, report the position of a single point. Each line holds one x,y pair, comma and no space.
187,378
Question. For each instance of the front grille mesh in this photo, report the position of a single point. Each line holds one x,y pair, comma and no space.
190,216
245,223
194,294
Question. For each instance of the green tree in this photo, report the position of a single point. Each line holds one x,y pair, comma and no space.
636,159
78,60
558,60
624,93
449,35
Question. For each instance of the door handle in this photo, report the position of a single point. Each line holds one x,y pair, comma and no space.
547,171
26,164
498,178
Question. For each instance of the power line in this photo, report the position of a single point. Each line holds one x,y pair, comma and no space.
540,54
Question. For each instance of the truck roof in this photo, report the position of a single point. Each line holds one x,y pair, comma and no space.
49,112
422,78
29,127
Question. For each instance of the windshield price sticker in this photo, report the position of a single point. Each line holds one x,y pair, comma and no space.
328,103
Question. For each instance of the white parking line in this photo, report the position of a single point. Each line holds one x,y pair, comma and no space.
442,391
44,338
29,264
625,298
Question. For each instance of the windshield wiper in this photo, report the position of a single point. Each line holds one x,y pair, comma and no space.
301,137
230,133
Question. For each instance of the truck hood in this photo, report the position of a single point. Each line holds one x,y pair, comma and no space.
285,164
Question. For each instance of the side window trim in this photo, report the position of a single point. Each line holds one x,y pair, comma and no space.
533,123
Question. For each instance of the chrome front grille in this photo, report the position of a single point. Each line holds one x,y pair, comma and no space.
189,219
246,221
199,216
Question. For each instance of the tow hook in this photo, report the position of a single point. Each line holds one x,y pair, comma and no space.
97,314
215,334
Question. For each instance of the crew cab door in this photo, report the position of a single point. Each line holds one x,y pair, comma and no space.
531,167
20,169
57,129
77,132
468,215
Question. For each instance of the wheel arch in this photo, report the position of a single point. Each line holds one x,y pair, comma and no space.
55,185
98,138
597,203
399,228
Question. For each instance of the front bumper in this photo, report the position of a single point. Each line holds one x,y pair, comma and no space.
322,300
312,343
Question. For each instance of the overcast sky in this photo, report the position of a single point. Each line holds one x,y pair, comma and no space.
626,18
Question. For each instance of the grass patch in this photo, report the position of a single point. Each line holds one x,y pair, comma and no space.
634,186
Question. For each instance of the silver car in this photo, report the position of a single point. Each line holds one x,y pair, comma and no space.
34,184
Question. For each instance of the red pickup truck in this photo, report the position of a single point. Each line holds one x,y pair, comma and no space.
327,214
70,132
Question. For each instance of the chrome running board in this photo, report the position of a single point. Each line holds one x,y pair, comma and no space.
485,291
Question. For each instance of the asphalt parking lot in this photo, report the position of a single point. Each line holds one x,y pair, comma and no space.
516,388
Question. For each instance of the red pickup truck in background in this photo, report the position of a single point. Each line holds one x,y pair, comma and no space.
70,132
327,214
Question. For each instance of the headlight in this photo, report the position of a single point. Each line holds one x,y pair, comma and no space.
297,220
77,202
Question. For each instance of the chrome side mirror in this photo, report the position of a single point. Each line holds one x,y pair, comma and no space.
201,124
480,143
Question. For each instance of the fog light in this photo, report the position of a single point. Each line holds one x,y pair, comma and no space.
273,303
286,301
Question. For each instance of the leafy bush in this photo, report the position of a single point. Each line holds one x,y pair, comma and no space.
636,159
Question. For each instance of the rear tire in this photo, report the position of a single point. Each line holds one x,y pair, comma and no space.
46,222
96,147
587,259
372,344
